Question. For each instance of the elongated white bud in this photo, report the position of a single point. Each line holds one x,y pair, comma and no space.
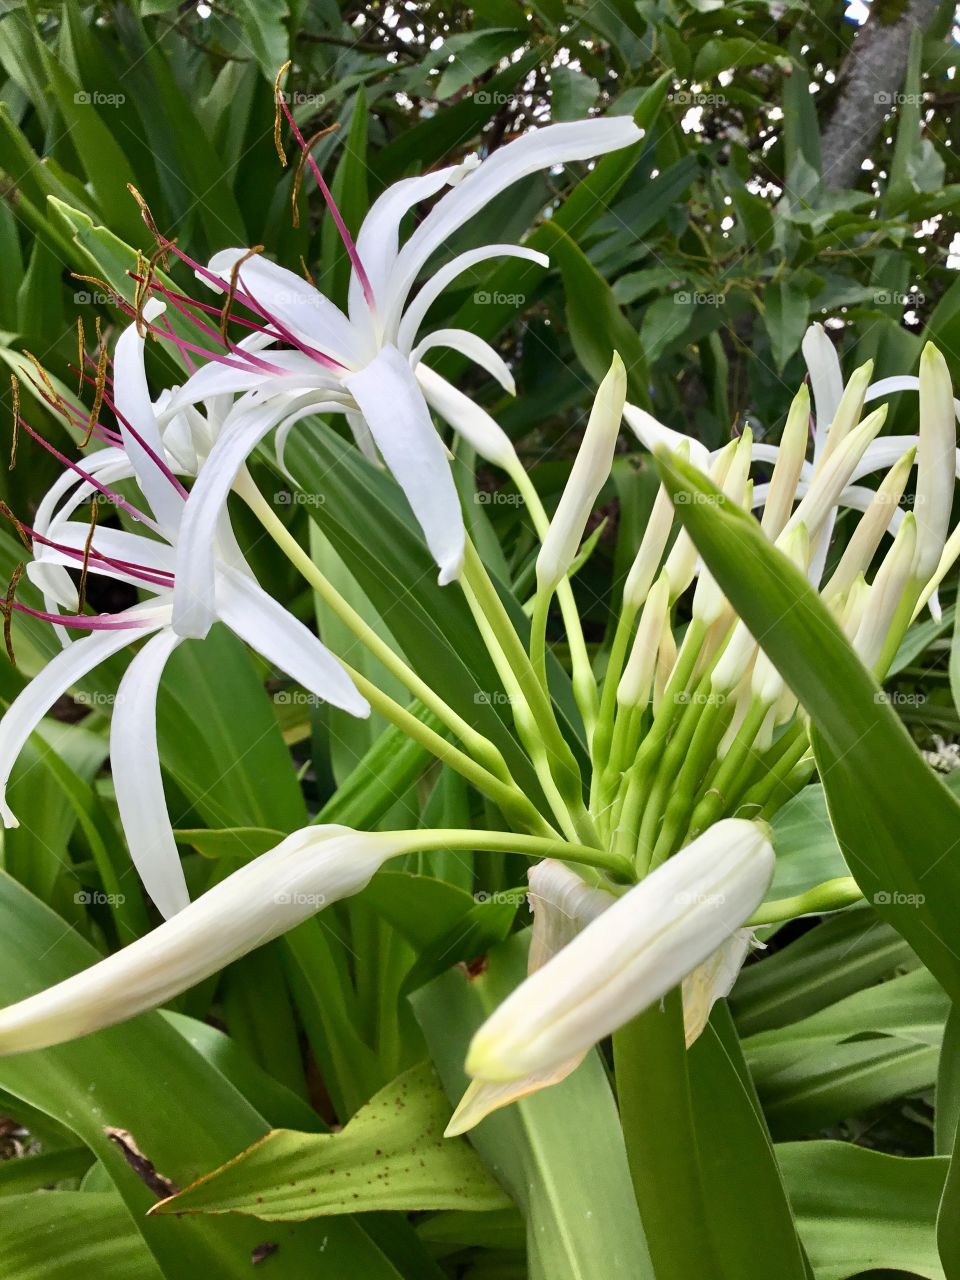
708,600
887,595
652,433
666,660
936,461
833,477
587,477
275,892
787,470
681,563
850,610
848,412
866,538
652,544
638,950
637,679
737,656
562,905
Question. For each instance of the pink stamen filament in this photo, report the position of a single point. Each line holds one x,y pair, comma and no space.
341,226
154,457
86,476
84,621
156,577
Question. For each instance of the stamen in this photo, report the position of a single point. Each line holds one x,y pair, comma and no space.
17,524
277,118
15,434
145,211
298,176
85,566
81,352
8,612
232,290
87,477
101,383
341,226
44,377
307,273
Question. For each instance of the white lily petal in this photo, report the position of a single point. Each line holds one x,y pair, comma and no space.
136,775
285,427
713,980
300,374
408,327
481,1097
59,675
589,473
652,433
298,306
563,904
826,378
378,239
284,641
469,345
48,574
194,599
277,891
390,399
626,960
134,404
536,151
467,418
900,382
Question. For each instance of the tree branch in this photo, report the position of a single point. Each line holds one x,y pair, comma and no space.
870,80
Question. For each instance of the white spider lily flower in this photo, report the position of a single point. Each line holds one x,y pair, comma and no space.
589,473
275,892
146,561
646,942
367,363
826,379
936,454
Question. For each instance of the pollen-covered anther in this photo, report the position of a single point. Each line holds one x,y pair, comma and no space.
232,289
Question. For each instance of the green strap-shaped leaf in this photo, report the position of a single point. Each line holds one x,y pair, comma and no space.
391,1155
858,1210
559,1152
64,1234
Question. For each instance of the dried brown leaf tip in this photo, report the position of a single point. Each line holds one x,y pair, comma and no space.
145,1169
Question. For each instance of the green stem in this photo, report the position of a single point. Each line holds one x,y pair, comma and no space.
511,801
426,841
584,683
479,746
832,895
656,1113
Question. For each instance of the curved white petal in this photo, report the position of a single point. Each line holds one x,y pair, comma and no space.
467,418
379,237
134,404
299,374
390,399
414,316
535,151
627,959
297,305
826,379
284,641
469,345
713,980
277,891
57,677
651,433
899,382
136,774
194,610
